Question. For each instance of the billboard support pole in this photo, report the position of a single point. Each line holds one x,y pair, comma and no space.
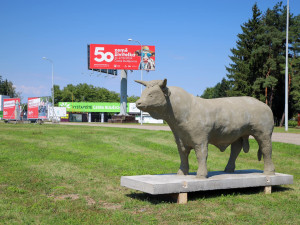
141,68
123,93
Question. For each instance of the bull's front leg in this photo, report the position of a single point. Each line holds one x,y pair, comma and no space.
184,157
201,154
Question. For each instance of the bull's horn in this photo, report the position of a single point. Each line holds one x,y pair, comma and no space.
141,82
163,83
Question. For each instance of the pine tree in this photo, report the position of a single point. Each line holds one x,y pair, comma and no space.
245,67
218,91
294,65
258,66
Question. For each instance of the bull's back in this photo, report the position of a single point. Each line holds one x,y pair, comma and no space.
235,116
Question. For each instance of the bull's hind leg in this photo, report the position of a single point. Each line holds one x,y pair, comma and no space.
236,148
265,146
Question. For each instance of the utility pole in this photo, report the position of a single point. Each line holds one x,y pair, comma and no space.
286,111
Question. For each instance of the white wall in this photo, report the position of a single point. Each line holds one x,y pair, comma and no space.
1,102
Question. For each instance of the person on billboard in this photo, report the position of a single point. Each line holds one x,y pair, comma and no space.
147,63
42,109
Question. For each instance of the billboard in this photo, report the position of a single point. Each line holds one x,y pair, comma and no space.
11,108
121,57
91,106
58,112
37,108
97,107
133,108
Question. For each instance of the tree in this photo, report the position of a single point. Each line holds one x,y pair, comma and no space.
294,65
132,99
245,65
218,91
258,61
86,93
7,88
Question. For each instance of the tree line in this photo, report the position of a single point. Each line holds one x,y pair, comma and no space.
86,93
258,62
7,88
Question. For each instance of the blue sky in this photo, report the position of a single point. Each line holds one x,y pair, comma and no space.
192,40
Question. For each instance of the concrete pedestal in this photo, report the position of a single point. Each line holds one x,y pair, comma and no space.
172,183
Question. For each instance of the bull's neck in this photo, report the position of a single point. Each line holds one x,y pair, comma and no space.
178,108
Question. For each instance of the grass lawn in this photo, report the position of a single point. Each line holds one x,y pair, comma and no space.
290,130
55,174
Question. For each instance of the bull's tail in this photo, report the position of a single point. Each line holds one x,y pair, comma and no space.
246,144
259,154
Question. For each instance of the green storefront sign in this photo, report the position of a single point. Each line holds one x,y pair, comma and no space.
92,106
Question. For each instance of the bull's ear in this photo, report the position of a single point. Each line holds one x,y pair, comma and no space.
163,84
141,82
164,88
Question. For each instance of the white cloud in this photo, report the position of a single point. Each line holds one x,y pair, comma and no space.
32,91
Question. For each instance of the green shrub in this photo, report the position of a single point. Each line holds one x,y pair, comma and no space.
293,123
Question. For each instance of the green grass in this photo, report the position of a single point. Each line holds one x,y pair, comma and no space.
290,130
54,174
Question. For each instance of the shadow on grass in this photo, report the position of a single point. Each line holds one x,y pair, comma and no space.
194,196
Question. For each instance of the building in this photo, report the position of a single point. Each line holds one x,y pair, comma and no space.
100,112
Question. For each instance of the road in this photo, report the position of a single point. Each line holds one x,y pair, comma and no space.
289,138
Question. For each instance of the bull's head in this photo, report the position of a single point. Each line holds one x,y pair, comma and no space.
153,98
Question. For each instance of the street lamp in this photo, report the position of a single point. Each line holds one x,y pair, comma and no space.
141,73
52,92
286,108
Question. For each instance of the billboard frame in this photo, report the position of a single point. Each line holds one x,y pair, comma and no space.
14,112
109,71
121,57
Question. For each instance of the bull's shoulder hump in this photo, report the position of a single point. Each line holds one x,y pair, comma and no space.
179,91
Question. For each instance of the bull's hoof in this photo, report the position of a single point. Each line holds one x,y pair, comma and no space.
181,172
201,177
229,170
269,173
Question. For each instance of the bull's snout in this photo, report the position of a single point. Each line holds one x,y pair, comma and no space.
139,104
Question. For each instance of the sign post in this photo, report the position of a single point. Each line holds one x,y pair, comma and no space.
123,94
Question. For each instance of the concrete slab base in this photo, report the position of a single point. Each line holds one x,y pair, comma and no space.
172,183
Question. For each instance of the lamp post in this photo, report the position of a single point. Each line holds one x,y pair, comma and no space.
286,112
52,92
141,73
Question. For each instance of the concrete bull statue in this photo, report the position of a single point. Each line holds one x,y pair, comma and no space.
197,122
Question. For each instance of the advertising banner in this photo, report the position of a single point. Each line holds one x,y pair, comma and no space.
121,57
33,108
58,112
91,106
11,108
133,108
37,108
